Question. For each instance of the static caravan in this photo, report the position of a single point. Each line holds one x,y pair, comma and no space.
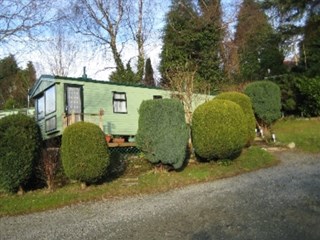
61,101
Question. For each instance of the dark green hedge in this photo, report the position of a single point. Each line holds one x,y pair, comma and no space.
300,95
245,103
84,152
309,96
163,133
289,93
266,100
219,129
20,146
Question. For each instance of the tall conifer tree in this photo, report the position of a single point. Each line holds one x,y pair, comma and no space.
192,38
148,74
210,33
8,73
310,46
177,38
15,83
258,44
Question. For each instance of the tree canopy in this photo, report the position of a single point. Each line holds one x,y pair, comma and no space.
148,77
298,24
258,44
310,46
192,36
15,83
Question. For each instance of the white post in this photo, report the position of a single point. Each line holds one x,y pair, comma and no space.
261,132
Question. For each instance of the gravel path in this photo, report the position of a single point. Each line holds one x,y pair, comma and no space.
282,202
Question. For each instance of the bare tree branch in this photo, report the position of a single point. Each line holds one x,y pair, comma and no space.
114,23
102,20
60,51
20,19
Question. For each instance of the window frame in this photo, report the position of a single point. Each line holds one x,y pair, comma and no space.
116,100
46,101
55,124
41,114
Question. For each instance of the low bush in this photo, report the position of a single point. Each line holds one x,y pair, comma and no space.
219,129
245,103
163,133
19,150
266,100
84,152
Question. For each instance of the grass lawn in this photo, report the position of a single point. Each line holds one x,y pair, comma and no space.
305,133
137,177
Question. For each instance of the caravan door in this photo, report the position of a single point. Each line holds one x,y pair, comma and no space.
74,103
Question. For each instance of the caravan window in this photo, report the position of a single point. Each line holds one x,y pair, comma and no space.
51,124
40,107
50,99
119,102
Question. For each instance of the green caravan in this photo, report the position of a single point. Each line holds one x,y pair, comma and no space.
61,101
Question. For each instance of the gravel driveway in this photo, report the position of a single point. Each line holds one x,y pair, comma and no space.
282,202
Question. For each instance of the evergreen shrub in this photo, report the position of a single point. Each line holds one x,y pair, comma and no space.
20,146
163,134
266,100
309,96
300,95
84,152
289,93
245,103
219,129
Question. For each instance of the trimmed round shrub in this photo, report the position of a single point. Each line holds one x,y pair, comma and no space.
20,146
84,152
219,129
163,134
266,100
245,103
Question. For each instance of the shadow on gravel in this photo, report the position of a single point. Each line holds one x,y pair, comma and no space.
201,236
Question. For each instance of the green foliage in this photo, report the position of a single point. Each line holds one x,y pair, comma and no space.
251,159
14,83
290,9
266,100
192,34
10,103
176,48
124,75
219,129
309,47
258,44
162,133
19,150
289,93
84,152
299,18
309,93
300,95
245,103
148,76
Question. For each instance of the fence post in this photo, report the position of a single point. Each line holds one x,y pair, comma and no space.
64,120
101,113
73,118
